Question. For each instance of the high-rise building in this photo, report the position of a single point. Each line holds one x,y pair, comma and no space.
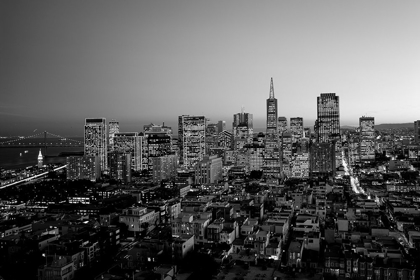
367,138
211,137
327,125
328,121
96,139
158,144
120,166
129,143
113,127
271,137
86,167
243,118
192,136
164,167
242,128
149,128
417,131
282,125
221,126
296,128
272,162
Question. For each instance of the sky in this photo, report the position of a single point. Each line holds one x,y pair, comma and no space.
150,61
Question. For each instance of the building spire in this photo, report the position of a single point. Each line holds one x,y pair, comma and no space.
271,89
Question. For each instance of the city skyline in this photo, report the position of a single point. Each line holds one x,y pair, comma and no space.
141,62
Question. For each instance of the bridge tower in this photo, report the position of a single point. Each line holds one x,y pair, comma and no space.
45,142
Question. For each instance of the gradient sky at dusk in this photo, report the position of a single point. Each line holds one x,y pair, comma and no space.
151,61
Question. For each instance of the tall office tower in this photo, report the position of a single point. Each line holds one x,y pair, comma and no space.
327,124
157,128
243,118
120,166
113,127
417,131
192,136
328,121
158,144
272,163
86,167
282,125
96,139
129,143
242,128
367,138
221,126
211,137
271,138
296,128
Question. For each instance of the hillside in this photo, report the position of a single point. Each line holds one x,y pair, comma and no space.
394,126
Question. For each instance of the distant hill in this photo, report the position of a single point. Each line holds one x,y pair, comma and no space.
383,126
394,126
347,127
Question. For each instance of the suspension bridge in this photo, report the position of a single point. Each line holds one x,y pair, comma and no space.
41,140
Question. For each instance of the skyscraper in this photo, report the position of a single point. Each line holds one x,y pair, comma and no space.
367,138
96,139
282,125
242,128
327,125
243,118
221,126
129,143
272,164
328,121
120,166
113,127
271,137
296,128
158,144
192,136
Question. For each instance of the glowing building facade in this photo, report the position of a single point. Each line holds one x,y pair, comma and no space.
282,125
120,166
96,140
327,125
328,121
129,143
296,128
113,127
367,138
192,137
272,163
86,168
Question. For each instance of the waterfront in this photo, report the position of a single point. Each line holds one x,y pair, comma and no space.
14,158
